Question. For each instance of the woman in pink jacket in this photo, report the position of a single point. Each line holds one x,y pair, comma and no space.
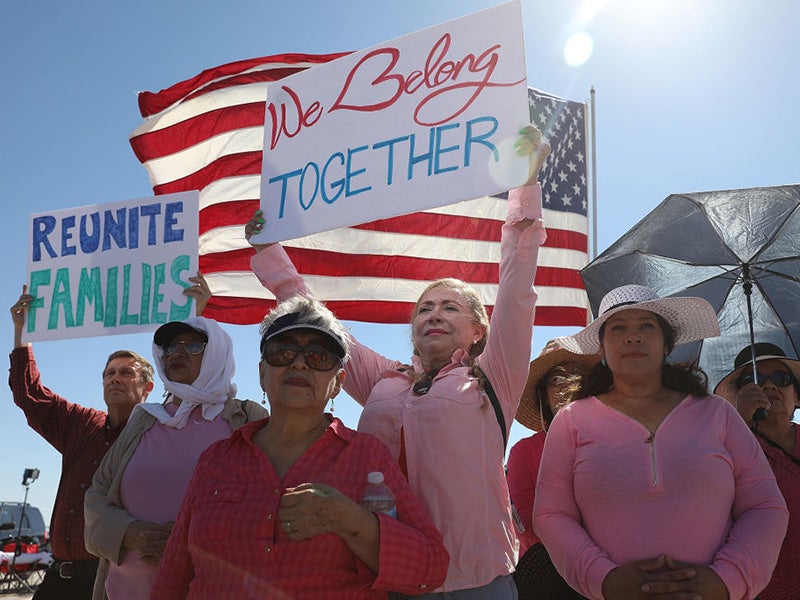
434,414
649,486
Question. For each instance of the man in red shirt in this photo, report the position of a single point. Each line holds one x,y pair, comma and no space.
82,436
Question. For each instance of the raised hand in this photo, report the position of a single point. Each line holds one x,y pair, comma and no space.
18,311
530,144
254,226
200,292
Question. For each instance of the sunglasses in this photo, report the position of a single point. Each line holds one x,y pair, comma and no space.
188,347
316,357
779,378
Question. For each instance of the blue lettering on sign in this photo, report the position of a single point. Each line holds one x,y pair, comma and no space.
439,149
90,243
448,147
114,228
42,227
390,157
482,139
303,187
171,234
105,231
150,212
337,184
350,174
67,224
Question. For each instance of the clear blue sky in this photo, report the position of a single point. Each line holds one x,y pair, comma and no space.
691,96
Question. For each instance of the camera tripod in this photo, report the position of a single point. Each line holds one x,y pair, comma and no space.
16,579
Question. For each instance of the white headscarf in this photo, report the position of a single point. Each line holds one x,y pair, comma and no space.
213,385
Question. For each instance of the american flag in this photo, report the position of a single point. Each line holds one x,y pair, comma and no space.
206,133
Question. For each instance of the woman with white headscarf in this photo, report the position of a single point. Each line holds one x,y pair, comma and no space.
138,488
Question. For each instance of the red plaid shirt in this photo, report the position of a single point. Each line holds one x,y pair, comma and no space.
81,435
227,542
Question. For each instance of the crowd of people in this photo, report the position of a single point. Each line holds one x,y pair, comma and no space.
637,483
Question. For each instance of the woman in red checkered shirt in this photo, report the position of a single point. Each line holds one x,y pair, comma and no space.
273,512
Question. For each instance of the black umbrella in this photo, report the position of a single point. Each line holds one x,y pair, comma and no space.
738,249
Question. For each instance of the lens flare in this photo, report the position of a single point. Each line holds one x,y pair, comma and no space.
578,49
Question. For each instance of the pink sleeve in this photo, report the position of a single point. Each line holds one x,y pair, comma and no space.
525,203
557,518
275,271
746,560
364,370
507,355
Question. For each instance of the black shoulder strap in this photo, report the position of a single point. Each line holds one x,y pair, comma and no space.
498,412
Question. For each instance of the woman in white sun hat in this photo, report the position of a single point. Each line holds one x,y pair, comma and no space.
650,485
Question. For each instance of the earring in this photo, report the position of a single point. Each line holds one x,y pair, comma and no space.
603,361
332,407
263,397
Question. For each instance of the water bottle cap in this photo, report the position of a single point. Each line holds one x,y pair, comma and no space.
375,477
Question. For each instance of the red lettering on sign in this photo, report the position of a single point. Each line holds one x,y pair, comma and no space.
440,75
302,118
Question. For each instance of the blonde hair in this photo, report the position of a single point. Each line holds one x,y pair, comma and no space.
473,300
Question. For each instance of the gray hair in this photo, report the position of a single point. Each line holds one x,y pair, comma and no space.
309,311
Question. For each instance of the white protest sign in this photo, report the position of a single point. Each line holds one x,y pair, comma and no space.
422,121
111,268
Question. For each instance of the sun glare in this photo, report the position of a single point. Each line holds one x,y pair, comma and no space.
578,49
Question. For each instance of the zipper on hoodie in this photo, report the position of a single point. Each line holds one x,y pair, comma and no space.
651,441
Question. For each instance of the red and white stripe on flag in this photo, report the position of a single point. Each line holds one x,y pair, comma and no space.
206,133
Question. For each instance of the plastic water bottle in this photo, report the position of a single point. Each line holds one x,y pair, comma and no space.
377,496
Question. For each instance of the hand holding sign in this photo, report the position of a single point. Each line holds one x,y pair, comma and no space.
18,312
253,227
200,291
532,146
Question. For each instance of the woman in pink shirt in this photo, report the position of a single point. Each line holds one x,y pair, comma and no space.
552,378
775,389
434,414
648,484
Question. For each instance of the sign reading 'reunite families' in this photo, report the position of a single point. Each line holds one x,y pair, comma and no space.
111,268
422,121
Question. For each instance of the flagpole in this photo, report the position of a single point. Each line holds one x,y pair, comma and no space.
594,177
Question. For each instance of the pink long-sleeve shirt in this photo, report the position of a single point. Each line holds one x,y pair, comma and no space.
700,490
453,444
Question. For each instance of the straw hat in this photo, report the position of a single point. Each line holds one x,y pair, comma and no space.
764,351
692,318
529,412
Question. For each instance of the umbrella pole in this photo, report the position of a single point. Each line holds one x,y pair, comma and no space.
760,413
